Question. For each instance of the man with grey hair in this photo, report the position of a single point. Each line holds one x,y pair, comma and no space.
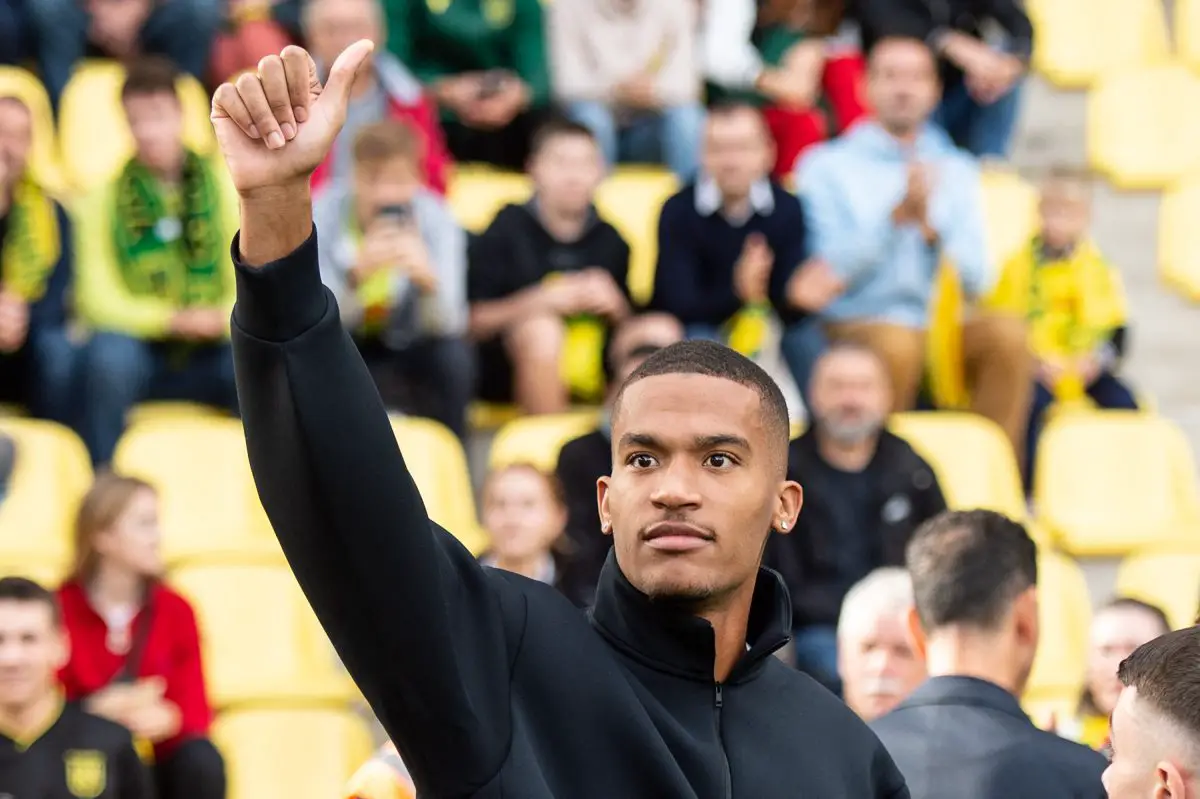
866,491
877,660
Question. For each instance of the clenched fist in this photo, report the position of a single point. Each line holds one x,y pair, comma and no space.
276,125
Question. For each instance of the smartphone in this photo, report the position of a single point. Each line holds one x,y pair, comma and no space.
400,214
491,83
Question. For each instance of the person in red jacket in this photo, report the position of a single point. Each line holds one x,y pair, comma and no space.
135,647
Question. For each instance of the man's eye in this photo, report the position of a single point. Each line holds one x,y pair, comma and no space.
719,460
641,461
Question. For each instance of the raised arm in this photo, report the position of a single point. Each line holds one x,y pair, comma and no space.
415,619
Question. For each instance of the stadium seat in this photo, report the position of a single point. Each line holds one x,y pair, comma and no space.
973,460
1168,578
476,193
1187,33
537,439
93,135
1079,41
209,505
1011,204
1179,238
51,475
1110,482
171,411
491,415
43,156
299,753
438,465
1064,615
1143,125
630,199
261,640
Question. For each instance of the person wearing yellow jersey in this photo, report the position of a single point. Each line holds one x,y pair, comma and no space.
1074,303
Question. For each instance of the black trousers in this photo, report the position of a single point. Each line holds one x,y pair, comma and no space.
195,770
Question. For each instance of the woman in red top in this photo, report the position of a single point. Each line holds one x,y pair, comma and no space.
135,649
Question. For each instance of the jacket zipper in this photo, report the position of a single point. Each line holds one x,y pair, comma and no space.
727,776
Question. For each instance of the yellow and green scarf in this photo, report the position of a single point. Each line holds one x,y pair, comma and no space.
171,246
32,245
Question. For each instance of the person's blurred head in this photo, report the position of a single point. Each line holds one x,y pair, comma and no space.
850,394
1118,629
16,138
33,645
636,339
877,661
154,113
117,529
524,511
1066,207
566,167
699,443
330,26
1155,733
974,576
387,167
902,84
738,149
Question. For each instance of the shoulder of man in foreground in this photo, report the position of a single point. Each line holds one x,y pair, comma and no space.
89,729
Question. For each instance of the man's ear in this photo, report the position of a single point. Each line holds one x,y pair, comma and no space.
791,499
1169,782
602,504
1025,612
916,633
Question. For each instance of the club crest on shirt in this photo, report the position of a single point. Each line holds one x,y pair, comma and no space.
87,772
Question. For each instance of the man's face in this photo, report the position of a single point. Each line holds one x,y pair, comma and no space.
878,664
32,650
1066,215
696,486
566,172
737,152
1115,634
850,396
16,137
379,185
1147,749
902,84
156,122
334,25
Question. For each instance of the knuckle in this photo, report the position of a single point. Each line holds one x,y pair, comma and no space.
247,81
268,62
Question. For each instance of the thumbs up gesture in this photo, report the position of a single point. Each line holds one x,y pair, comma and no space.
274,126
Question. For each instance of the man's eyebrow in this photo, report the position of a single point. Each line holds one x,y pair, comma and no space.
650,441
640,440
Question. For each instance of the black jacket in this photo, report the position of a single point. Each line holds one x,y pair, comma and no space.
581,462
490,684
959,737
811,559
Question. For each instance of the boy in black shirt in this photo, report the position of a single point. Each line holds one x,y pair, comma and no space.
50,749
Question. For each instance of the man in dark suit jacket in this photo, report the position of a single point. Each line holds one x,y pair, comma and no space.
962,733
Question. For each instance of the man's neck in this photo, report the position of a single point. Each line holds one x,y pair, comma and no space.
562,225
846,457
729,623
168,176
735,207
23,721
966,653
113,587
905,137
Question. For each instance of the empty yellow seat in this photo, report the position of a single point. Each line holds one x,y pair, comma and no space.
43,155
491,415
1143,125
537,439
475,195
1079,41
1187,32
1109,482
1011,205
1064,616
94,137
630,200
1179,238
171,411
301,753
1168,578
48,571
972,458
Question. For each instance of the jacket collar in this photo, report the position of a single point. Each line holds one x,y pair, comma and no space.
673,641
970,691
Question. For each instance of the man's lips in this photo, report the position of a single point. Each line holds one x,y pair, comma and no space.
676,537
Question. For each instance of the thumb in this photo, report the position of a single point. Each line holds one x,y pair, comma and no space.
344,71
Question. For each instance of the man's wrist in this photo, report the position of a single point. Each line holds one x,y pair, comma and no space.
276,220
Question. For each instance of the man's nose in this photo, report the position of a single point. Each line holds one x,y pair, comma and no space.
676,487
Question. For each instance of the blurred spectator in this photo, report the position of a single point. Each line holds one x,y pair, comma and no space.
384,89
584,460
486,62
396,260
547,281
982,82
866,492
135,649
877,661
253,29
65,30
37,359
384,776
728,243
49,748
627,69
1075,305
15,44
155,275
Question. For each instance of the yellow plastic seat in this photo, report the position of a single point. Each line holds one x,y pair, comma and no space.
971,456
1110,482
475,195
1079,41
1168,578
438,465
491,415
43,155
49,572
630,200
1011,206
208,502
94,137
151,412
1142,126
1179,238
261,641
298,753
537,439
51,474
1187,33
1064,616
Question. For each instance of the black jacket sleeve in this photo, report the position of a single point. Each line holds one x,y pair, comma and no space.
417,622
1011,16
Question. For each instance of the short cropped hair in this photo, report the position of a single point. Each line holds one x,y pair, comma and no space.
699,357
968,567
150,74
1166,674
557,127
888,589
383,141
24,590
